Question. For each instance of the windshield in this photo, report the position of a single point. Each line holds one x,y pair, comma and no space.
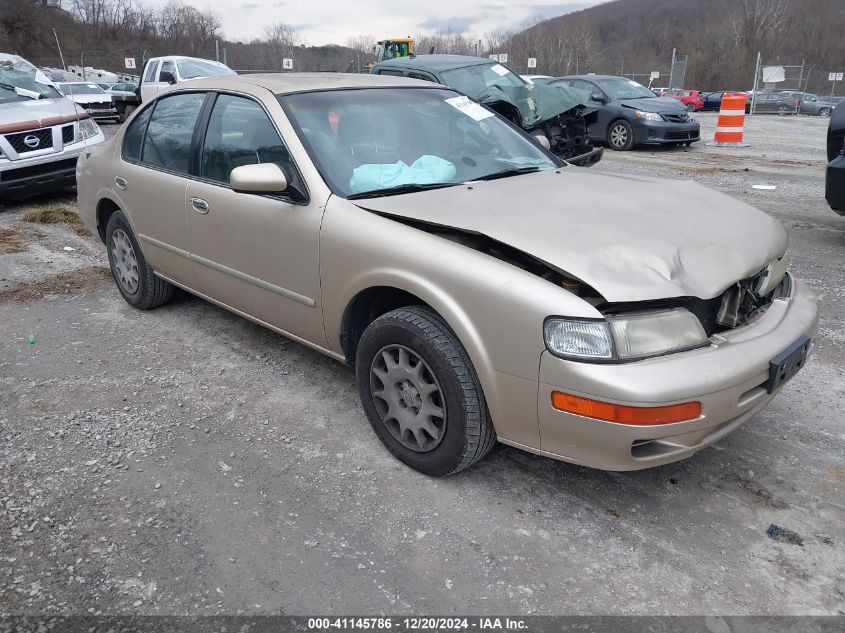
82,89
193,68
371,140
473,80
623,88
31,83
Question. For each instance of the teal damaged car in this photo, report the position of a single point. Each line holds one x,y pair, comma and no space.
555,115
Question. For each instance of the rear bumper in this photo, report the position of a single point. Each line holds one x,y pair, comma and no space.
727,378
835,184
663,132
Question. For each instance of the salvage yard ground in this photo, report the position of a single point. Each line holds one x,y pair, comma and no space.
187,461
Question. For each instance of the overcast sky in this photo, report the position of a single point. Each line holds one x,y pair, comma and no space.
334,21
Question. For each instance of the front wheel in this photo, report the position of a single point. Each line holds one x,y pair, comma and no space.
824,112
620,136
421,394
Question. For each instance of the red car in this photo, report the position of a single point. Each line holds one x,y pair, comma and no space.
692,99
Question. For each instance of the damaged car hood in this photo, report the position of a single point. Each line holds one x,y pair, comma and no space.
36,112
536,102
631,238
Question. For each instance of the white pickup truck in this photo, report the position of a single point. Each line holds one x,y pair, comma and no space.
161,72
41,133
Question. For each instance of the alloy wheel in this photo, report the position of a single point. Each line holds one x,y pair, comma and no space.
619,135
408,398
124,262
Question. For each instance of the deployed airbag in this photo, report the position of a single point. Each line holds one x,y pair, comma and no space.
426,170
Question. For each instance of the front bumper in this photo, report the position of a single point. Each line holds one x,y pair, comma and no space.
834,189
727,378
663,132
50,172
587,160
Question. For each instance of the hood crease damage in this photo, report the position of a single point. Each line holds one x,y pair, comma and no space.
630,239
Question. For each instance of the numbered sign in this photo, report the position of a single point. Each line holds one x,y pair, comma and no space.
287,63
532,62
503,57
129,62
495,58
655,74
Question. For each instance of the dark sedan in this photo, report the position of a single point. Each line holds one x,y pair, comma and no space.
713,101
835,178
630,114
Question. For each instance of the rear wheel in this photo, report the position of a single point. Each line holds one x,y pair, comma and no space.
421,394
133,276
620,136
783,110
691,107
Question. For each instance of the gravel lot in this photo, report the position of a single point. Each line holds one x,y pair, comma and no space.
187,461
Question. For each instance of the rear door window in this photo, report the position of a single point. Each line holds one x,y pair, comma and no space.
167,144
392,73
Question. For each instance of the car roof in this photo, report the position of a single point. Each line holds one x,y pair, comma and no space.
434,63
286,83
589,77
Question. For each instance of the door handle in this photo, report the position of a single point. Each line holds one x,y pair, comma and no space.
199,205
120,182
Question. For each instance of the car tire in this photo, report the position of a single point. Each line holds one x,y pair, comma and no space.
782,110
620,135
132,275
691,107
824,112
409,361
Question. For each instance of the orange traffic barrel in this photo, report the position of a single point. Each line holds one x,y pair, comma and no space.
731,121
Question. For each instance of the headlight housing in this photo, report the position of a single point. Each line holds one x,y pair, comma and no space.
624,337
88,128
648,116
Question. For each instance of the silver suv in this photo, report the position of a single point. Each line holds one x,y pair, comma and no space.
41,133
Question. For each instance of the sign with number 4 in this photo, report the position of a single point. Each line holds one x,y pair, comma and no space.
287,63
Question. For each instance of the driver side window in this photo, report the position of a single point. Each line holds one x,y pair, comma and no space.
240,133
167,67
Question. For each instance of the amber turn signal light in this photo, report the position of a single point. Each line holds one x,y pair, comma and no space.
623,414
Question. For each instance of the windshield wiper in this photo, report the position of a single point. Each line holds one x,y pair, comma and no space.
392,191
506,173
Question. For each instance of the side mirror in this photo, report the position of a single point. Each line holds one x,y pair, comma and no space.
261,178
598,97
166,75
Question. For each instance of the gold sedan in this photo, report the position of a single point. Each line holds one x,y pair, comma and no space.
481,288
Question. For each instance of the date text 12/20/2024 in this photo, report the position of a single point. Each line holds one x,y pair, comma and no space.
417,624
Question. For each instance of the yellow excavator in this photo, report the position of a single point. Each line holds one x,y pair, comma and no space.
392,48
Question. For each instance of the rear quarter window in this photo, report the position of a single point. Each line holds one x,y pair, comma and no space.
133,140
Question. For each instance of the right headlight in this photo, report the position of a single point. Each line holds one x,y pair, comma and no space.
624,337
648,116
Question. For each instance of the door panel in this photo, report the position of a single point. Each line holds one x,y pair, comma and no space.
151,180
256,253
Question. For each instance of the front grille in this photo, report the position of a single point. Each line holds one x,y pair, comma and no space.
681,117
100,105
681,136
67,134
18,141
11,175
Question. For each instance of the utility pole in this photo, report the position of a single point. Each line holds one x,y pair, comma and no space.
217,50
60,50
672,68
